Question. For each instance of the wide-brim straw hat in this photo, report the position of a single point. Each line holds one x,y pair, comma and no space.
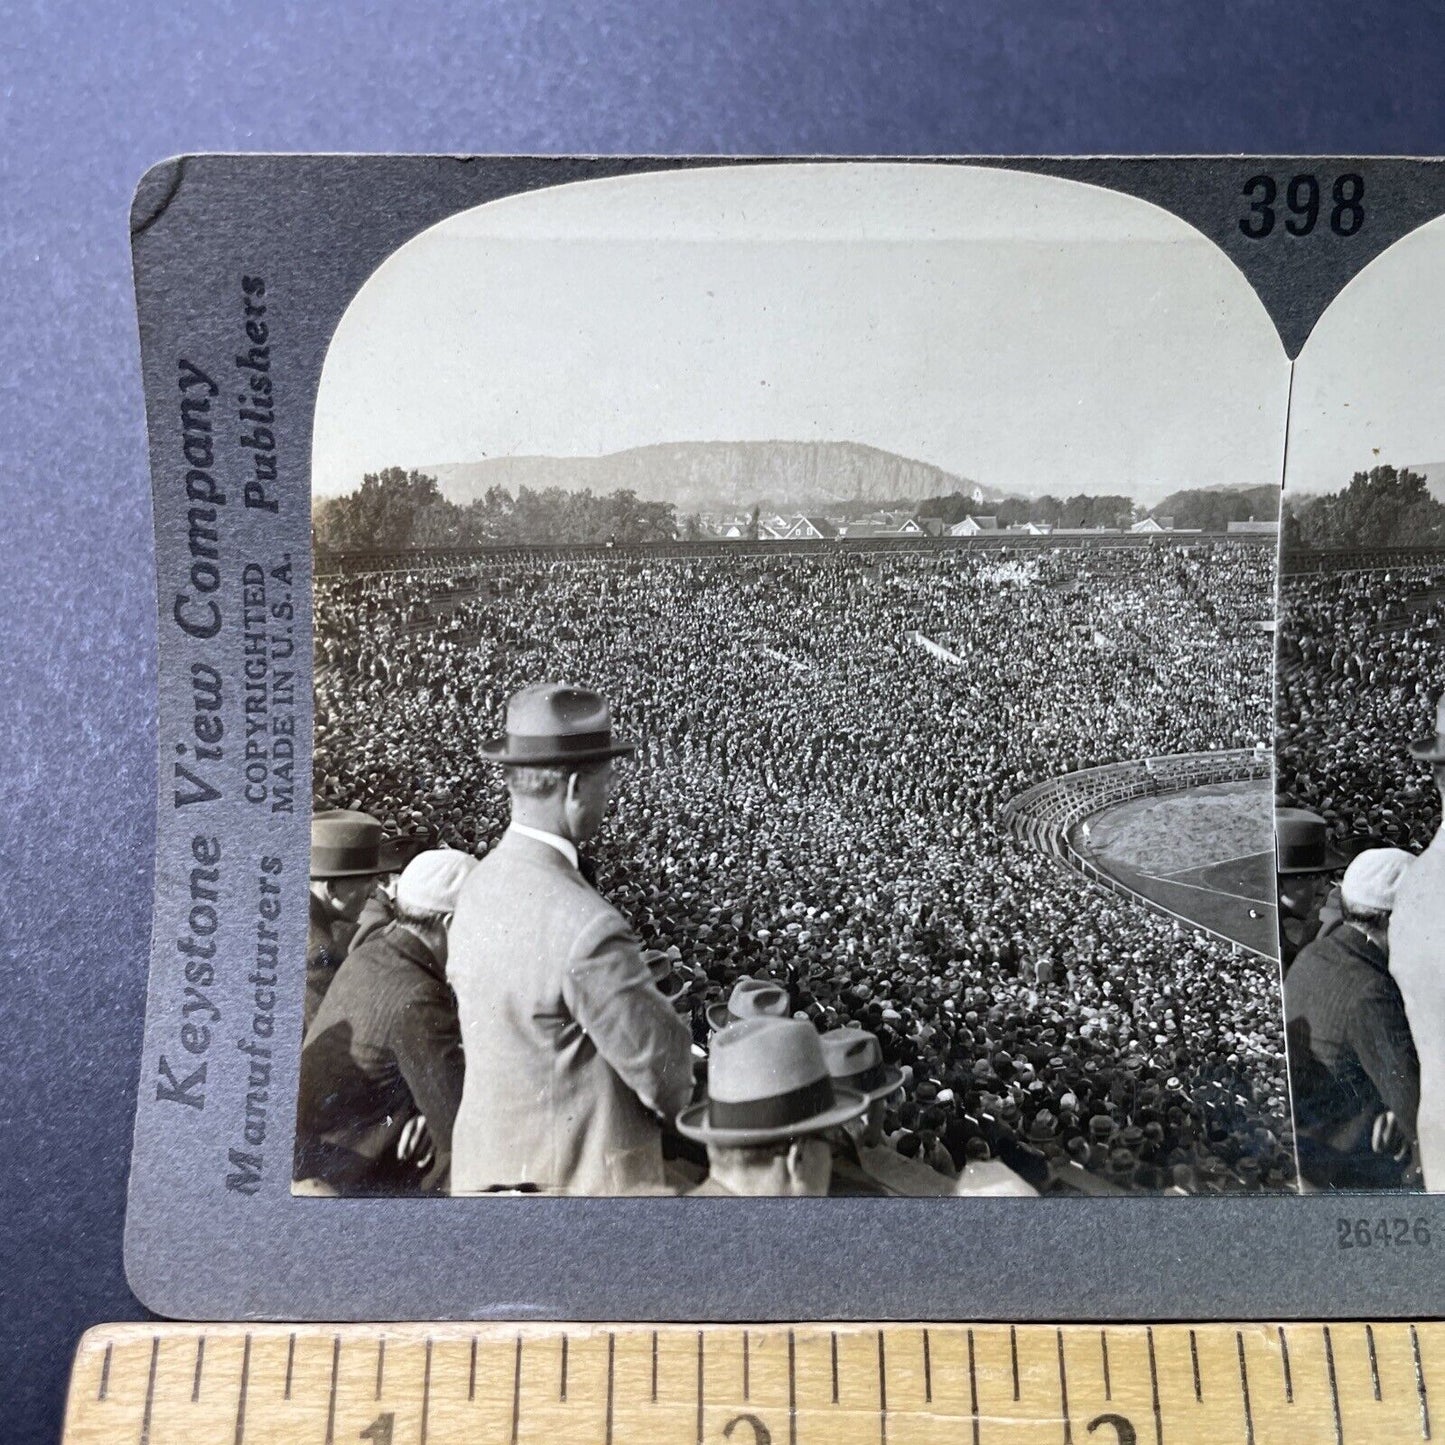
855,1060
767,1082
350,844
1301,843
551,724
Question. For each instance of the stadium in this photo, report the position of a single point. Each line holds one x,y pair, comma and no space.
1004,802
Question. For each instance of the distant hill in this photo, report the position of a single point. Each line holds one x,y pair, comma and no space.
1434,474
715,476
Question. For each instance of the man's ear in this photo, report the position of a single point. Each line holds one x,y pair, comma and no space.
794,1159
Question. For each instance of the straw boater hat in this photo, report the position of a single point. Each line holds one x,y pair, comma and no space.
855,1060
1301,843
1432,749
768,1081
751,998
553,723
348,844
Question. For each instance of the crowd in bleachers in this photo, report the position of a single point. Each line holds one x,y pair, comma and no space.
1359,655
818,801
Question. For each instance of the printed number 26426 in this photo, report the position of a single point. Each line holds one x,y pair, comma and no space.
1368,1233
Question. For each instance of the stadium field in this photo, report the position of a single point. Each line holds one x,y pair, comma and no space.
1204,853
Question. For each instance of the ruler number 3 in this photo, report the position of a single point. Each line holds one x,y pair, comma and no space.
1121,1427
1302,200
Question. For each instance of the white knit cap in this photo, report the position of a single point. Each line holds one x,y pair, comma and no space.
1371,881
431,882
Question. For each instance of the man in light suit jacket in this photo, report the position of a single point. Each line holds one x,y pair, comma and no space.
571,1051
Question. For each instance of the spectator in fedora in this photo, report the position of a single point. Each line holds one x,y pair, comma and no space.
348,856
572,1051
770,1105
750,998
1305,866
1417,961
382,1063
1353,1067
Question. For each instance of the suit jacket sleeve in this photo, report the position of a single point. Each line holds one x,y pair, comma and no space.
429,1055
609,991
1382,1040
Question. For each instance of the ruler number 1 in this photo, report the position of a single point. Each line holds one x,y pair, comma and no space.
379,1431
1303,202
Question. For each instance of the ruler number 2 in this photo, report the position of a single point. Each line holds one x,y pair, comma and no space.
1121,1427
1302,200
379,1431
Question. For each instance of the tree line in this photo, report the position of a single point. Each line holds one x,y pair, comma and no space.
1383,507
396,508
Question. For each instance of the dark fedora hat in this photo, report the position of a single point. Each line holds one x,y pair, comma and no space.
348,844
1432,749
550,724
1301,843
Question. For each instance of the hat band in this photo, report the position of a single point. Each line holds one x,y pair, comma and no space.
775,1111
558,742
345,858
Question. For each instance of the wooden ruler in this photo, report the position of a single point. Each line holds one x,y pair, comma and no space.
874,1384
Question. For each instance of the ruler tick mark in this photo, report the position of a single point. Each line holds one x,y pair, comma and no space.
1284,1359
1104,1352
699,1386
793,1386
1244,1390
654,1367
1194,1360
927,1372
1154,1388
1334,1387
380,1365
746,1381
1013,1349
105,1374
1064,1391
200,1362
1374,1363
290,1362
145,1424
562,1383
835,1366
611,1357
331,1406
426,1392
1420,1385
973,1388
882,1391
472,1372
245,1385
517,1390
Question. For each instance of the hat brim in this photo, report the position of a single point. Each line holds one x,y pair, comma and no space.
497,751
892,1082
692,1123
1332,863
1429,750
718,1017
389,859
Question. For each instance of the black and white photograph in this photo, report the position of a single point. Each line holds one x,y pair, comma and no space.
793,655
1360,740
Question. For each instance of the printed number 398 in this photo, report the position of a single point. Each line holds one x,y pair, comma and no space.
1302,200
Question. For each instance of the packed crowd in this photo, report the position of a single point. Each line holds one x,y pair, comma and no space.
1359,664
817,802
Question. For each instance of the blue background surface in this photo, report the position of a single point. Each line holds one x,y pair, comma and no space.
91,95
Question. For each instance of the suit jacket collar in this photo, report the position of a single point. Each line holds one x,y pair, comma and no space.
564,849
410,947
534,851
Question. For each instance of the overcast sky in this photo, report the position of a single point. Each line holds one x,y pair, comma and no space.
1019,330
1369,386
